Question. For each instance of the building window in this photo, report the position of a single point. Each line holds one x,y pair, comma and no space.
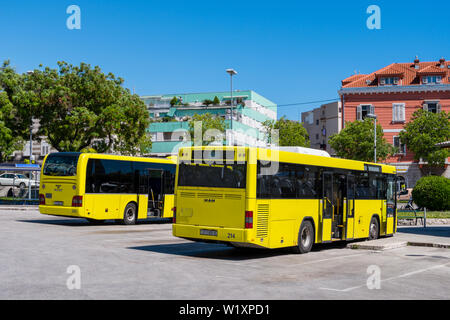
434,107
363,110
398,112
389,81
317,122
45,148
431,79
401,147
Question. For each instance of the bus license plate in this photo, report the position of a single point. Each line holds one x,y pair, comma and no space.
206,232
58,203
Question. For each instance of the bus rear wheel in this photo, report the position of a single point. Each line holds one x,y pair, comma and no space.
374,229
305,238
129,215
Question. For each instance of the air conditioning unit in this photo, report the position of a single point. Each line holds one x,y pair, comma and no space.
395,81
382,81
424,80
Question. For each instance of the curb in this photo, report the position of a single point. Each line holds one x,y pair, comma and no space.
378,247
429,244
19,208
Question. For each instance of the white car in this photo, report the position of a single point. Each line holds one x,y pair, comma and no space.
18,180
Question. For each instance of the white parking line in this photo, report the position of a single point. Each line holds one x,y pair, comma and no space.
391,278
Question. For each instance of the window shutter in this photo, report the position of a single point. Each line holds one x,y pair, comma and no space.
438,108
402,113
358,113
425,107
394,112
372,109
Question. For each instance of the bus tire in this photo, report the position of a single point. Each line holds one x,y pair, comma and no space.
374,229
305,238
130,214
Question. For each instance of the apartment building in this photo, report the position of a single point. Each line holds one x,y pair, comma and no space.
321,123
171,114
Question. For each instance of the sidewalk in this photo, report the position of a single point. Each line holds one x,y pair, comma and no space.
432,236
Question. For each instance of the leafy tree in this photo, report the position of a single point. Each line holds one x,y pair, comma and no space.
290,133
81,107
207,102
174,101
16,107
423,132
216,101
355,142
208,122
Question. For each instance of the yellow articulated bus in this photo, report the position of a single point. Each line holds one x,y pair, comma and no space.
102,187
270,198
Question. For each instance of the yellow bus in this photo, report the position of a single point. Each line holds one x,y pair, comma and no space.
269,198
103,187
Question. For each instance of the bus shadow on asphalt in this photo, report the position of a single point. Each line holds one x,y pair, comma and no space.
225,252
84,223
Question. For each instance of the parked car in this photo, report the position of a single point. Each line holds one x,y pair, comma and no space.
18,180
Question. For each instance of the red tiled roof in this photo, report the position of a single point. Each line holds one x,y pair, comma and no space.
407,71
432,70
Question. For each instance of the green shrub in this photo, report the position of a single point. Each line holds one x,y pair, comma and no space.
432,192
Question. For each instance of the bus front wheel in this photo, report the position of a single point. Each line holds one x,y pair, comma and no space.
130,213
305,238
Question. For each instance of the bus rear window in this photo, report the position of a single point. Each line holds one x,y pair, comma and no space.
61,164
214,176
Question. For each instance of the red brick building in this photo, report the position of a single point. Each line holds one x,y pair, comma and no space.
393,93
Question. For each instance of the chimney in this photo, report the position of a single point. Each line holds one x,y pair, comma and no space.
416,63
442,62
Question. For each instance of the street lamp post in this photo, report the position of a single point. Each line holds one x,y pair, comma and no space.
374,117
31,146
231,72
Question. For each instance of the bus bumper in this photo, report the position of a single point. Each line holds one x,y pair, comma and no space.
62,211
215,233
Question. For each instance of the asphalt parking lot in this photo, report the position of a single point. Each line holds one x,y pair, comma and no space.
39,254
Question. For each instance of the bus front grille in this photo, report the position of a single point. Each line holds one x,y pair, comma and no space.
262,222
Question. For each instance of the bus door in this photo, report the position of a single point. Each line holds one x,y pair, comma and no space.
391,205
327,206
350,208
155,191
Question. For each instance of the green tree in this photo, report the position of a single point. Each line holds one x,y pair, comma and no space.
423,132
15,111
207,121
81,107
290,133
355,142
216,101
207,102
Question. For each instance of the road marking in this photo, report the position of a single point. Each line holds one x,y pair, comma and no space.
391,278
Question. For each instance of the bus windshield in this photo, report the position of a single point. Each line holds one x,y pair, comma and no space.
61,164
216,176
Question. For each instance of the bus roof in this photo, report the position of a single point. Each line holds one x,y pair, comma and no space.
171,160
273,154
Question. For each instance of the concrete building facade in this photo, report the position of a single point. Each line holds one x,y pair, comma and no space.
321,123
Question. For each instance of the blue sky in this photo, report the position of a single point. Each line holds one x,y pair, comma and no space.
288,51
